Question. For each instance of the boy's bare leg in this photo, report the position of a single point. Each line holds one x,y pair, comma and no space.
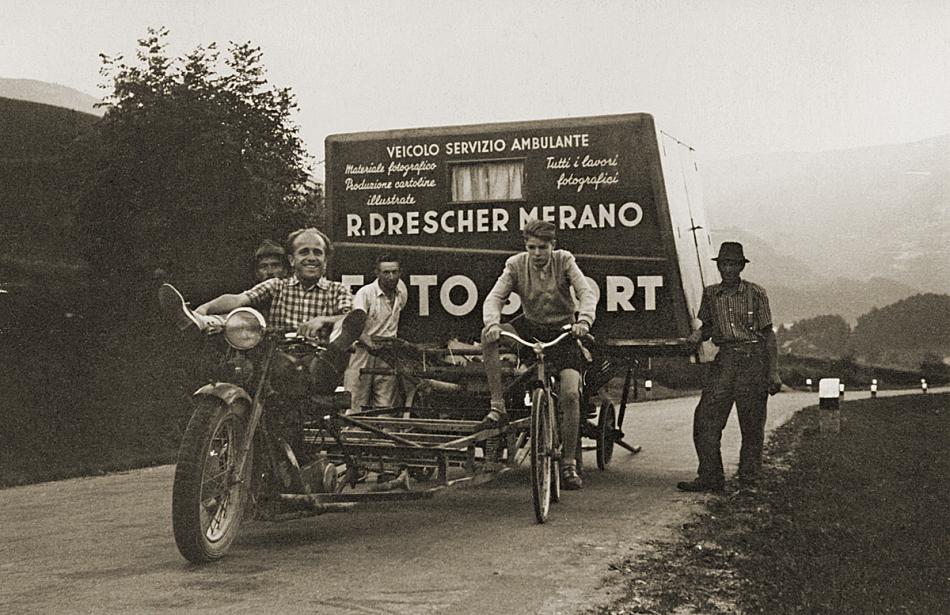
492,364
570,403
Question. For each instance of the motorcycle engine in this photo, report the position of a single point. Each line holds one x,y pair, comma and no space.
290,372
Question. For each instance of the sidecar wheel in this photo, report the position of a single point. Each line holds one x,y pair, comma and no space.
208,500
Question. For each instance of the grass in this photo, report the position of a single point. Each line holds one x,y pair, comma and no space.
32,471
853,523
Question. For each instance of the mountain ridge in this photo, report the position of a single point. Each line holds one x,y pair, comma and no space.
879,211
48,93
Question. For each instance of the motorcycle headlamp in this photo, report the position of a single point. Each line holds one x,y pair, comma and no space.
244,328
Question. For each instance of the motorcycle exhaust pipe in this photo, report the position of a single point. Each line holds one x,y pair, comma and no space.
311,503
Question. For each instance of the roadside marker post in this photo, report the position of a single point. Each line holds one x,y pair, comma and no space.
648,386
830,390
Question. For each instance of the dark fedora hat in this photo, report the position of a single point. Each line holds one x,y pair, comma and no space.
731,251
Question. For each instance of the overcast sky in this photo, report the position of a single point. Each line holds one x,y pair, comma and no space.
727,77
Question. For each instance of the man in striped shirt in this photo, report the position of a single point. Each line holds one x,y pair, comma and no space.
736,316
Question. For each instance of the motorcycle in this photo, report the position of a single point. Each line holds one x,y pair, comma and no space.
244,454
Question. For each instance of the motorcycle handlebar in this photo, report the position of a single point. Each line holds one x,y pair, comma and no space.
294,337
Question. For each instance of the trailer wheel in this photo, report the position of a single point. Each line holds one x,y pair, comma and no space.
606,427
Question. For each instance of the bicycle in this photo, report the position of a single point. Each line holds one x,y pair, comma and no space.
545,430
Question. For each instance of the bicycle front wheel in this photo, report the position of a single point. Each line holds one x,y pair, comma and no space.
542,453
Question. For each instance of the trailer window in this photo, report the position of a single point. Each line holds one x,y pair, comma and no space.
495,180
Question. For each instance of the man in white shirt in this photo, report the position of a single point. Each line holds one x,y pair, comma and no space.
383,300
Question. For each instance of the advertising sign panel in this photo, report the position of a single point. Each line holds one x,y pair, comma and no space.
451,203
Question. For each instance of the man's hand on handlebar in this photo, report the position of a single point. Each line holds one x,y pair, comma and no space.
210,324
312,327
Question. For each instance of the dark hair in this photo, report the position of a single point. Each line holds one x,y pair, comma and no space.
269,248
294,235
539,229
387,257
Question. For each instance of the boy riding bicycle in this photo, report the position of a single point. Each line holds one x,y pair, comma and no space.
543,277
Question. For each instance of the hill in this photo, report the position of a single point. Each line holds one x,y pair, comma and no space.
30,130
861,214
907,331
49,94
798,291
34,172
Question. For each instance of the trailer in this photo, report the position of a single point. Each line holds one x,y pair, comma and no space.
450,203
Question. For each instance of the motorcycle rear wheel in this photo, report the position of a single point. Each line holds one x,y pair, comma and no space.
208,500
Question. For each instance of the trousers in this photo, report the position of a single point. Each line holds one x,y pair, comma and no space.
372,391
739,375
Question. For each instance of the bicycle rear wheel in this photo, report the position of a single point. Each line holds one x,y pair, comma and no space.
542,453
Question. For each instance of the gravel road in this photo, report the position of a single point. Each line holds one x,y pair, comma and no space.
104,544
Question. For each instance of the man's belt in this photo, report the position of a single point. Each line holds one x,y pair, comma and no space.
738,344
747,348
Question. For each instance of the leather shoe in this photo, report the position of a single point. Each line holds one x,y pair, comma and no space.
174,307
570,479
698,486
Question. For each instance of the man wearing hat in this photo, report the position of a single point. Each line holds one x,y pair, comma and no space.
736,315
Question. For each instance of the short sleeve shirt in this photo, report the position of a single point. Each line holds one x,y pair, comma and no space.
737,315
293,304
382,317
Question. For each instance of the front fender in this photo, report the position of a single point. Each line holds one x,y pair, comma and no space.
230,394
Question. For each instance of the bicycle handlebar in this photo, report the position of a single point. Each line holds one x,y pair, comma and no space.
536,346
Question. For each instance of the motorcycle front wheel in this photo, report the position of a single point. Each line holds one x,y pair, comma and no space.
208,499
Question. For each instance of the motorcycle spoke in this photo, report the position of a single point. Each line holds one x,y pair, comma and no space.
218,485
218,482
216,521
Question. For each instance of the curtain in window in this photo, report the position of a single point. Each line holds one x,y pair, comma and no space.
487,181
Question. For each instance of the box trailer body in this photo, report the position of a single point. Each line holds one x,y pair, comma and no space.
450,202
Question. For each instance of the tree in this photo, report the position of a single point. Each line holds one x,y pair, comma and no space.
821,336
904,332
195,161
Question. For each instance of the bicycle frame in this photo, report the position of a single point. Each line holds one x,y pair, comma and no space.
538,348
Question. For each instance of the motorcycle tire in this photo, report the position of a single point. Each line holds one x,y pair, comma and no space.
208,502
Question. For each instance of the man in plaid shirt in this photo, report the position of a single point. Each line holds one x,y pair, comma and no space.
306,302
